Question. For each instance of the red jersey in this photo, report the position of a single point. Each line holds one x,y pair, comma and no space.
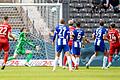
71,30
113,37
119,39
5,28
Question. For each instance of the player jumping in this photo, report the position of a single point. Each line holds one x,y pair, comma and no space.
63,35
20,47
5,31
99,35
113,38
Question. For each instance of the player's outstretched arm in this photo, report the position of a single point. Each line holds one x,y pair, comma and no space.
93,36
72,35
10,35
30,43
54,37
85,40
105,37
53,43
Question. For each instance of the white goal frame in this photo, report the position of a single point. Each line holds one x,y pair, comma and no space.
36,62
35,4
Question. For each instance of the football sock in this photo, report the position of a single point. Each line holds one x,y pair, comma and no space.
74,60
29,56
104,61
69,62
109,64
73,65
91,59
5,57
77,60
64,60
55,62
11,58
110,59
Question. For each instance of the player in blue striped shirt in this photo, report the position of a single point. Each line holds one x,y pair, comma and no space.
99,35
77,35
63,35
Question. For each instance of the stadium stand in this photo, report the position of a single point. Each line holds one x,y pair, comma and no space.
17,21
81,9
15,18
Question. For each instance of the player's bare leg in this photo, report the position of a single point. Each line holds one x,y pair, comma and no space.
77,61
105,60
69,60
5,60
110,60
56,61
64,61
29,56
73,59
91,59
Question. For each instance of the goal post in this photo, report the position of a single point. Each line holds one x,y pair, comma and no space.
39,18
54,6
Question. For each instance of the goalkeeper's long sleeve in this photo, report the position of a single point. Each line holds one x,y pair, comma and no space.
23,39
31,44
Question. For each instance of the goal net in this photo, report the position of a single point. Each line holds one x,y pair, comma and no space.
40,20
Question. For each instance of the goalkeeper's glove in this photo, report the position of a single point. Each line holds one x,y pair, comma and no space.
37,48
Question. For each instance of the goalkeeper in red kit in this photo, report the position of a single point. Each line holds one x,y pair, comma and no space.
5,31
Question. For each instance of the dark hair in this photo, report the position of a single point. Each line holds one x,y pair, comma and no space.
62,21
101,23
70,24
78,24
112,25
6,17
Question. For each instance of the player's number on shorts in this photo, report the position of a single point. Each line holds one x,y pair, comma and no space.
112,37
62,32
3,30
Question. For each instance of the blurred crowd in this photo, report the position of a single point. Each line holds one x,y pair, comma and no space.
97,5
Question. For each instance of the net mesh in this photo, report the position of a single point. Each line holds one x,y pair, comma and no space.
40,20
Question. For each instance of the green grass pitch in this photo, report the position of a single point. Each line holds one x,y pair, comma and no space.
45,73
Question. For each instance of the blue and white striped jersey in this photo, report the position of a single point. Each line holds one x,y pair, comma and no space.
63,34
78,35
99,33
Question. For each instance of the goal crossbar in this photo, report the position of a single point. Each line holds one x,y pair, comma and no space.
30,4
34,4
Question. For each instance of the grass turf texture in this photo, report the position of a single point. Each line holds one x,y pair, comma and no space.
45,73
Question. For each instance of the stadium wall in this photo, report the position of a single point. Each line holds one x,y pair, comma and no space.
32,62
88,51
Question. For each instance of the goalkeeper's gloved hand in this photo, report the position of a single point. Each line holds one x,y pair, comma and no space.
37,48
